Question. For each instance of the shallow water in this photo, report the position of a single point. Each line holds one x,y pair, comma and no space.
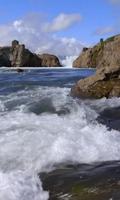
42,128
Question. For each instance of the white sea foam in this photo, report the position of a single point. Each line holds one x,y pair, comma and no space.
37,142
19,185
68,61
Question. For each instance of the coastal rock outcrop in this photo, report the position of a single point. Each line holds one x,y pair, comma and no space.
49,60
5,56
106,81
22,57
105,53
85,60
17,55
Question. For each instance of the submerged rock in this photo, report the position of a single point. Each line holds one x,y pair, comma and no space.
49,60
106,81
19,70
110,117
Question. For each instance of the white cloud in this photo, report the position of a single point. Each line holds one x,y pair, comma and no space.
30,31
62,21
104,31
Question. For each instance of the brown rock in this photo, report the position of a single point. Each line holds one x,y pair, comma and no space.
18,56
103,54
22,57
49,60
106,81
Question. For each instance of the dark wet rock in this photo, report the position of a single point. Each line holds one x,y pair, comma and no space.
106,81
84,182
49,60
110,117
19,70
46,106
5,57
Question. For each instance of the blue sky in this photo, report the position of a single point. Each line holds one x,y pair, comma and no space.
85,20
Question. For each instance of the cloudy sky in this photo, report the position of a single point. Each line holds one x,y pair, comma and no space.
58,26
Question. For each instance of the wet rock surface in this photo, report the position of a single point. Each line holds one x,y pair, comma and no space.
84,182
111,118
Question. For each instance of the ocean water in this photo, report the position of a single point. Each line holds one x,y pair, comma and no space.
42,127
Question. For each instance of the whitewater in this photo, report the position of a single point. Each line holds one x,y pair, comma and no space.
42,127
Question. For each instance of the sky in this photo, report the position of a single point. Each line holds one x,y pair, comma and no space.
61,27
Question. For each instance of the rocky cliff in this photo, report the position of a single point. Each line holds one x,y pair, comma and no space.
49,60
5,56
18,56
106,81
105,53
22,57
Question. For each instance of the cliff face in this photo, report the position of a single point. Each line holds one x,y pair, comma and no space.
5,56
106,81
103,54
22,57
18,56
49,60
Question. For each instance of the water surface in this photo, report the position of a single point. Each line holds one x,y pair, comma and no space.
44,129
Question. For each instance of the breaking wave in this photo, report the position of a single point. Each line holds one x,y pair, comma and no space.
42,127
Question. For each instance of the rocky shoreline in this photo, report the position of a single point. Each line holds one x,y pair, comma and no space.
106,81
84,181
17,55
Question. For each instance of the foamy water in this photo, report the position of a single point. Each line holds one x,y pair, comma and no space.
41,127
68,61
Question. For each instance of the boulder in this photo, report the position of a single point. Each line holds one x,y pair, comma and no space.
106,81
49,60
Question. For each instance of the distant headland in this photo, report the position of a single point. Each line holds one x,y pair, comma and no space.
17,55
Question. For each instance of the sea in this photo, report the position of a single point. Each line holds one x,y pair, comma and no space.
52,145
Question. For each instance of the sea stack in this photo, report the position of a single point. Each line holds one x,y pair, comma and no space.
49,60
18,56
22,57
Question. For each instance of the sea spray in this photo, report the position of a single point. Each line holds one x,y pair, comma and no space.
42,127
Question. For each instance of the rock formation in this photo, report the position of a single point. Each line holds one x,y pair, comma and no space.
18,56
49,60
5,56
103,54
106,81
22,57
